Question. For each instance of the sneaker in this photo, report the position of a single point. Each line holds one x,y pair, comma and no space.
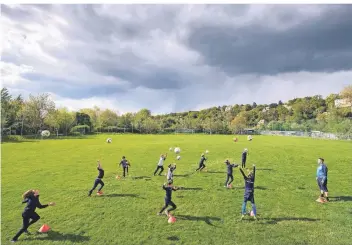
13,240
167,213
159,214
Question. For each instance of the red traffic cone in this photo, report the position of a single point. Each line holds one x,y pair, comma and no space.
171,220
45,228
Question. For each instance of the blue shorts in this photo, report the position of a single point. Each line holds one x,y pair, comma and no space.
249,196
323,185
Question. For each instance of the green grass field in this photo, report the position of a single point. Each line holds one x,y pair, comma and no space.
207,213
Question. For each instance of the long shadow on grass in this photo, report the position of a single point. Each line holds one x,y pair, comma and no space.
206,219
173,238
181,188
255,188
341,198
57,236
182,175
122,195
141,177
273,221
216,172
265,169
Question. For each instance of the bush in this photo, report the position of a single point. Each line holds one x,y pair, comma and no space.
15,138
81,129
75,134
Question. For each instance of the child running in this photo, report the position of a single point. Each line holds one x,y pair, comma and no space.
322,179
29,216
160,164
125,163
201,163
170,172
98,180
229,173
169,188
249,192
244,157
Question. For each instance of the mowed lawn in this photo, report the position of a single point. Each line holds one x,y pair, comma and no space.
207,213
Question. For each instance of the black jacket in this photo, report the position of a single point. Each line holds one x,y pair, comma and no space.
32,203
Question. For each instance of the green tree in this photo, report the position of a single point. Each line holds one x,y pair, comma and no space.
238,123
36,109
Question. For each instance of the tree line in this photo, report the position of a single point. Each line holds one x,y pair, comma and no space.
30,116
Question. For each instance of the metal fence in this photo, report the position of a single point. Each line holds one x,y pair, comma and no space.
312,134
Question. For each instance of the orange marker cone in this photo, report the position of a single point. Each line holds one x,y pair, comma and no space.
321,200
171,220
45,228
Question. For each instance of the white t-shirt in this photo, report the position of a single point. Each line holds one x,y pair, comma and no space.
170,175
161,161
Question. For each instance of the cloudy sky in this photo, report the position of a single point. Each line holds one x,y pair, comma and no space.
175,57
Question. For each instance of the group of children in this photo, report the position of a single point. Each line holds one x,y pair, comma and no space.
249,183
31,197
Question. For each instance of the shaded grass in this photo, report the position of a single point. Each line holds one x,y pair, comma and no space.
207,213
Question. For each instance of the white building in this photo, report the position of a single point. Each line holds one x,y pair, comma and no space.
342,103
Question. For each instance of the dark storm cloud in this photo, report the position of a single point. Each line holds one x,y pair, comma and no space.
321,45
65,88
177,57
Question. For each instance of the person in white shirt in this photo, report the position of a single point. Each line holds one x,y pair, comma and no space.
170,172
160,164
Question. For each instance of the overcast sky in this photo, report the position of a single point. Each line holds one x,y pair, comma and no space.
172,58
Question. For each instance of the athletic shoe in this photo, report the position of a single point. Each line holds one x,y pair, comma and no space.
13,240
159,214
167,213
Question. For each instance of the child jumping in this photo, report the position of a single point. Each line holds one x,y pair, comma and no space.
169,188
229,173
98,180
249,192
160,164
